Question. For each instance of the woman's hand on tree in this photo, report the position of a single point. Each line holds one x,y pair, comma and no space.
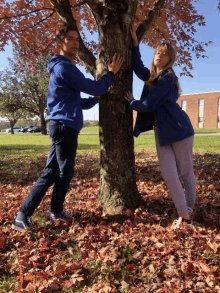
134,35
116,63
129,96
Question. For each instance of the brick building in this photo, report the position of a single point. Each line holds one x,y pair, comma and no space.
203,109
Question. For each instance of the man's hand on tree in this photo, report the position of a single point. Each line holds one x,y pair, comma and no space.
116,63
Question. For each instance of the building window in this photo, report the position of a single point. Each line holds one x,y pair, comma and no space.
218,101
218,119
201,110
201,103
184,105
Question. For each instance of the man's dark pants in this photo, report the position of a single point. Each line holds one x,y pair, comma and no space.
59,169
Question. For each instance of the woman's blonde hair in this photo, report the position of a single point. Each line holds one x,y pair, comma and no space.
167,48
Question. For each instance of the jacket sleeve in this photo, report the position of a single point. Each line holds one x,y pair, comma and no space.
157,95
88,103
86,85
140,70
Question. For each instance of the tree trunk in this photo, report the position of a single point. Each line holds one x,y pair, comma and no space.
43,123
118,190
12,124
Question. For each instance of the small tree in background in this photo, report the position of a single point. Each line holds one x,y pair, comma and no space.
27,86
7,110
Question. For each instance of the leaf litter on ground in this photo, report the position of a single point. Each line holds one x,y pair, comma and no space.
132,252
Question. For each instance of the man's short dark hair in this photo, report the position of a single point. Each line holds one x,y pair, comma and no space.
62,31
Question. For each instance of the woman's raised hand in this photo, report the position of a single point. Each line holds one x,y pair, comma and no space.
116,63
134,35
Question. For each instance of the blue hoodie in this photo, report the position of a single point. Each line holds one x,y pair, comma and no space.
159,104
64,102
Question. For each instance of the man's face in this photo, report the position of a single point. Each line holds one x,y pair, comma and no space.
70,44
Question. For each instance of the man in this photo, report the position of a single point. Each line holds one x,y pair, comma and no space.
64,124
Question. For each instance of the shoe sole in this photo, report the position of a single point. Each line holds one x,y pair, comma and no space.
18,228
59,219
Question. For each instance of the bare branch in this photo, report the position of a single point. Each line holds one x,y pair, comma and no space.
87,58
93,5
24,14
96,10
40,21
151,18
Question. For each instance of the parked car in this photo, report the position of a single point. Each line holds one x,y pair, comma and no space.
25,129
16,129
35,129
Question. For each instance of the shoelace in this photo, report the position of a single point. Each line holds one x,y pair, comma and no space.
30,222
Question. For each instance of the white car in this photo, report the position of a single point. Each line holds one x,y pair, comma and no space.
16,129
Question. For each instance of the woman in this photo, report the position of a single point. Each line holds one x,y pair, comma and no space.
173,130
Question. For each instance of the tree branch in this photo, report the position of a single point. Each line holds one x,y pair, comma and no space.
96,10
40,21
24,14
151,18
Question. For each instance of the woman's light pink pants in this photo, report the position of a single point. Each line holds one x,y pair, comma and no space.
176,162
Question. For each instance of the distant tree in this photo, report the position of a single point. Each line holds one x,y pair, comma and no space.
4,125
28,85
94,123
7,110
86,123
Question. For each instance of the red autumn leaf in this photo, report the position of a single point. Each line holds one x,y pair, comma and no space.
2,239
131,268
60,270
189,267
43,275
68,284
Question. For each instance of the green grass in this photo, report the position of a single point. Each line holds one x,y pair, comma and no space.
207,130
95,130
33,144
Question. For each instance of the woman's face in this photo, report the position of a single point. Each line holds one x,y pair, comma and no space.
161,59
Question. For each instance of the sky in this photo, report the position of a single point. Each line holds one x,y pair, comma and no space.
206,71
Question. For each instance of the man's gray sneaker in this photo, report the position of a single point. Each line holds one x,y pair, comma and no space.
67,215
57,217
22,222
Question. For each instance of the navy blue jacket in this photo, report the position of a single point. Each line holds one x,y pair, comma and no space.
160,104
66,82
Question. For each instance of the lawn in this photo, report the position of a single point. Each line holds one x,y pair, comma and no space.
135,252
197,130
11,145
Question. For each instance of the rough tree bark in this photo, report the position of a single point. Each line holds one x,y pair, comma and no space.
118,190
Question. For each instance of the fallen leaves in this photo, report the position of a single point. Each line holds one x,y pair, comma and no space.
135,252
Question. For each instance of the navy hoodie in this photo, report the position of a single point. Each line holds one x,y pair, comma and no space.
159,104
64,102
